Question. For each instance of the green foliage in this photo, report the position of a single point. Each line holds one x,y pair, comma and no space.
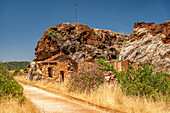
145,82
3,69
15,65
25,70
17,70
52,32
106,66
55,34
88,77
9,88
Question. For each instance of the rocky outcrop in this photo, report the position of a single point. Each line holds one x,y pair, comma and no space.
79,42
149,43
141,29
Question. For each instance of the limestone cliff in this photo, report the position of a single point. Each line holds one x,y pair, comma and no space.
149,43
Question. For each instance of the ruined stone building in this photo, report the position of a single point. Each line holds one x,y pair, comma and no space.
124,65
56,68
63,46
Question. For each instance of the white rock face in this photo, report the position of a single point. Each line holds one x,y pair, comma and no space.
149,49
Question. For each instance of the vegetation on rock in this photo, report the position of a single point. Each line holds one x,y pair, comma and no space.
52,32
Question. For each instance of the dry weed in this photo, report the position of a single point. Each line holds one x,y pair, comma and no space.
11,106
109,96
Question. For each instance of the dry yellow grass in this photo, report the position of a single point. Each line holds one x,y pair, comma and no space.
11,106
109,97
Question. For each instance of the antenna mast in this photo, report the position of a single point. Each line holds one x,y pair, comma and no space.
76,13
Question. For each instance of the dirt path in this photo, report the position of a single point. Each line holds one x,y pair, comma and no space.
50,103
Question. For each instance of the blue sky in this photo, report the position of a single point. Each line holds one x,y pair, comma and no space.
23,22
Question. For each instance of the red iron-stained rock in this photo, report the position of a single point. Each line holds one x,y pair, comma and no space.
153,29
79,42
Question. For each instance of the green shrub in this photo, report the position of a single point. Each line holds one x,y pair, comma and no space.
88,77
25,70
17,70
52,32
3,69
9,88
145,82
106,66
55,34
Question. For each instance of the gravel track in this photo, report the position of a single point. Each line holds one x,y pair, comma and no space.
50,103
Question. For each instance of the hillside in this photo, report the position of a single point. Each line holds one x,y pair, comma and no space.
15,65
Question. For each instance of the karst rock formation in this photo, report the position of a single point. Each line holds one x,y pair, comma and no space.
79,42
149,43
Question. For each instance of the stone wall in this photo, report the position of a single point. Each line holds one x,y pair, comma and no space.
124,65
56,71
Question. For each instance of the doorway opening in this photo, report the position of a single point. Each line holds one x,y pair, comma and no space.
50,72
62,76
